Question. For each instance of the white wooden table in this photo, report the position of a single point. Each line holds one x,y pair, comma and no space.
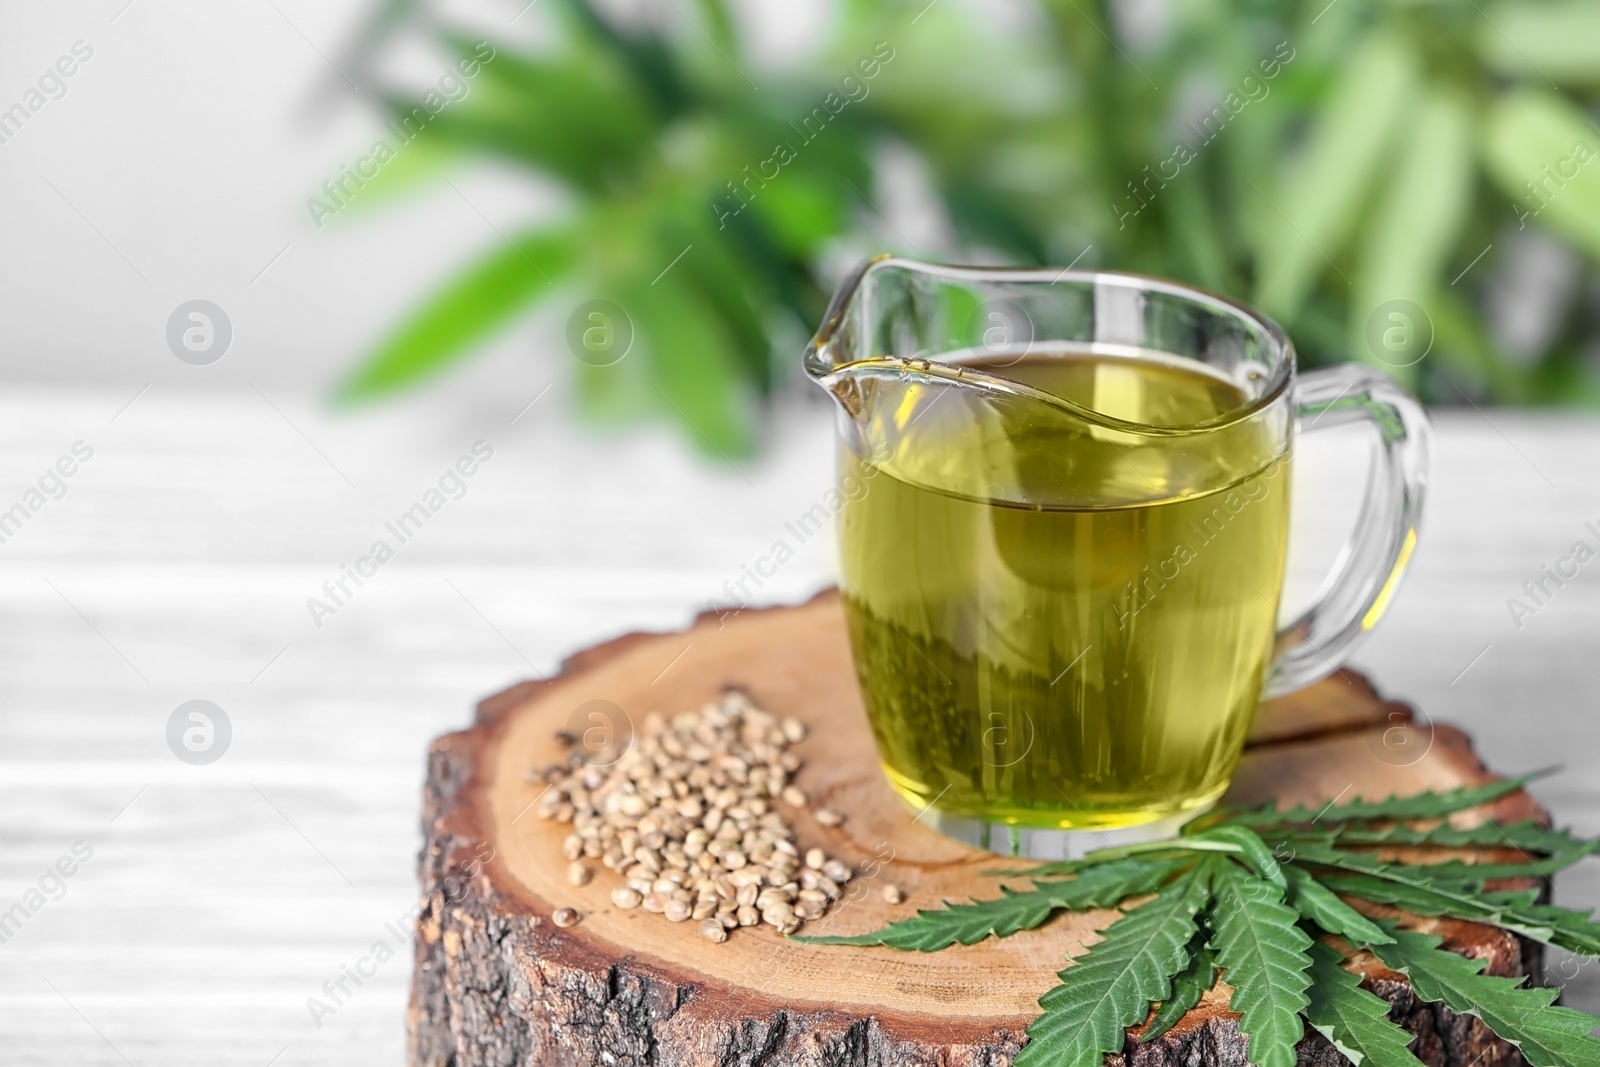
220,897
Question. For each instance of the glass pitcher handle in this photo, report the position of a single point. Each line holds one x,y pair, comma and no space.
1368,571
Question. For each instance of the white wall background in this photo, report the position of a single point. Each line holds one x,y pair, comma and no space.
178,163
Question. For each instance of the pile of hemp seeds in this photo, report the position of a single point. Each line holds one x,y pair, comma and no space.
690,817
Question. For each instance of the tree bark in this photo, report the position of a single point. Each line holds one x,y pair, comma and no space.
496,982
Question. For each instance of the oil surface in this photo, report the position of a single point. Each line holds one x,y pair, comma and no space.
1079,664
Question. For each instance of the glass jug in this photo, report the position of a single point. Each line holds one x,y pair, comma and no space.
1062,579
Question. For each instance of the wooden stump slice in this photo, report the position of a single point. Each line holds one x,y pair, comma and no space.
497,982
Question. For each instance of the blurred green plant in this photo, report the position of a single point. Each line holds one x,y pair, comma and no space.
1328,163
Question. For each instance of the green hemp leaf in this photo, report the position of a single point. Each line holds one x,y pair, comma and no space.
1547,1035
1416,806
1323,907
1110,987
1263,953
1188,986
1245,896
929,931
1355,1021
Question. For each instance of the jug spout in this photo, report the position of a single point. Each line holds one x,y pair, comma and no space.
950,377
837,343
894,331
914,352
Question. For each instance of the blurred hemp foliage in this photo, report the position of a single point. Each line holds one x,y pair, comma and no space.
1412,183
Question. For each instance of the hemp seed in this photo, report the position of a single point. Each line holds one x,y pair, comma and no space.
689,820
